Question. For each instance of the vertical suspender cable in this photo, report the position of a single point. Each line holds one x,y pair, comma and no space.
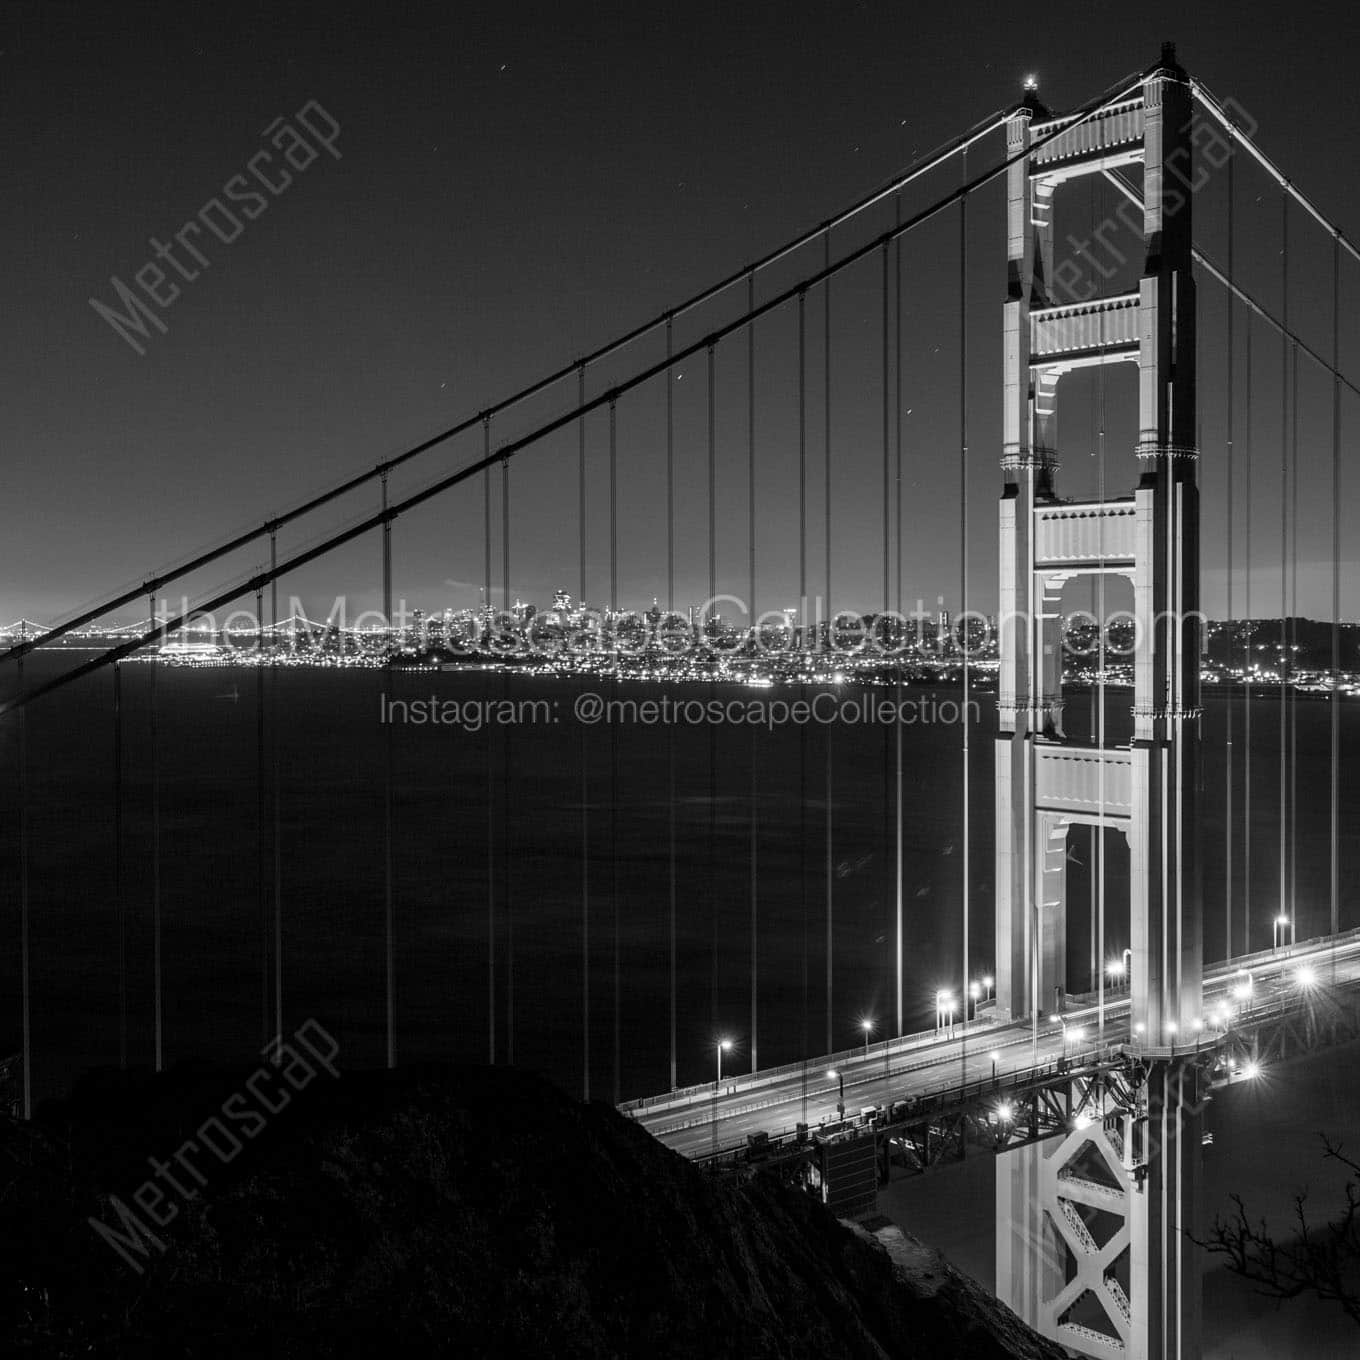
900,634
670,727
1250,633
963,566
830,630
802,667
507,860
709,610
261,835
1098,858
883,622
119,897
157,1012
25,996
1293,647
276,840
389,957
1334,883
1096,949
1284,559
584,755
754,813
1228,781
486,632
614,736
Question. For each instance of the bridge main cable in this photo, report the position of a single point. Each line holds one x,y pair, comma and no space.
157,582
1112,95
1205,97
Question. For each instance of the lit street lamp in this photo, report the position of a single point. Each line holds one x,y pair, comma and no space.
834,1075
1281,924
868,1027
1117,970
1074,1034
723,1045
944,1010
988,982
995,1056
974,995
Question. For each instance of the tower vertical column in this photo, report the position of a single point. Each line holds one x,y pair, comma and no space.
1027,467
1165,891
1165,887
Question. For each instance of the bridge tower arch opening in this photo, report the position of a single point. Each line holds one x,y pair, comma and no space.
1051,1267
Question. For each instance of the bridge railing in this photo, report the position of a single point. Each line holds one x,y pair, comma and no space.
753,1081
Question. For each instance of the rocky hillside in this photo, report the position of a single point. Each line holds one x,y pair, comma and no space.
451,1211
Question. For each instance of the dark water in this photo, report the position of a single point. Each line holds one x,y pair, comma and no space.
572,808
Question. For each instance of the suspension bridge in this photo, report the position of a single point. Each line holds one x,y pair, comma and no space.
1085,1081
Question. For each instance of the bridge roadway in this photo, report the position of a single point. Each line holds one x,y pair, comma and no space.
704,1120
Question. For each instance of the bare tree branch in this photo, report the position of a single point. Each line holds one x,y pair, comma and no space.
1321,1260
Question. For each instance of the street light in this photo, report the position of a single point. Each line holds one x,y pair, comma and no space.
1005,1112
989,982
944,1010
1242,990
868,1027
995,1057
1281,924
974,995
834,1075
1306,977
1118,969
723,1045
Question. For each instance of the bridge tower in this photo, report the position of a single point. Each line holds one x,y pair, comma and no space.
1091,1246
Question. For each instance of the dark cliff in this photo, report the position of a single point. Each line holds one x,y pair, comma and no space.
459,1211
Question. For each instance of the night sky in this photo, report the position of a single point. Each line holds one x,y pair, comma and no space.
516,184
